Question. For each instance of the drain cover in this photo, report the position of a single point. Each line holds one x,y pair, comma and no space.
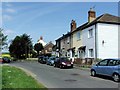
75,74
70,80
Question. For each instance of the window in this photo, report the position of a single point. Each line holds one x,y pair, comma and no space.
68,40
57,44
117,62
90,33
50,49
78,35
112,63
82,53
103,63
90,52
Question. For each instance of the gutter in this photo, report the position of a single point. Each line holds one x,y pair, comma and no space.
95,44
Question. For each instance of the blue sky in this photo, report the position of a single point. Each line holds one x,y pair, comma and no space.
48,19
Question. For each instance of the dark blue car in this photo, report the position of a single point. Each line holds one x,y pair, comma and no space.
107,67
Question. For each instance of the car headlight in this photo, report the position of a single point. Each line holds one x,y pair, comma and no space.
63,63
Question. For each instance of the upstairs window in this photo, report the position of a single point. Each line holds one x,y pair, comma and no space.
78,35
90,33
68,40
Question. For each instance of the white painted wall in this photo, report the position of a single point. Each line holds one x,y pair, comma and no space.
108,33
88,42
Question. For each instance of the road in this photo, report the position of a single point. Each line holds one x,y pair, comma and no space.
64,78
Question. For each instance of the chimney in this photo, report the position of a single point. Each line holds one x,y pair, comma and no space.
73,25
41,38
91,15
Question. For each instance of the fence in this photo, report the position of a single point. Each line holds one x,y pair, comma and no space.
85,61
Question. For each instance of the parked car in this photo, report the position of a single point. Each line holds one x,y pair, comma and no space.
63,62
42,59
1,60
50,61
107,67
6,60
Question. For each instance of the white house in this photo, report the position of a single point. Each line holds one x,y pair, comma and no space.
41,41
100,36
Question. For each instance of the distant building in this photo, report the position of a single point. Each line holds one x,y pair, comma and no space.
47,51
41,41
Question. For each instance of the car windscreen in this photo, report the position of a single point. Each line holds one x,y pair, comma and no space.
64,59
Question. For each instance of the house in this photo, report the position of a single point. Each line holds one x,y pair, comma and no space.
63,45
41,41
47,51
97,38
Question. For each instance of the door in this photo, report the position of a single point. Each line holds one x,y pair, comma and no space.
111,67
101,67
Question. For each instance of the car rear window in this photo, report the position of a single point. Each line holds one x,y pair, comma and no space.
64,59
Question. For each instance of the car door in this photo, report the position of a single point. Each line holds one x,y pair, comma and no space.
101,67
111,67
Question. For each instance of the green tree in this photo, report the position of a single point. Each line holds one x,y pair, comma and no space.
38,47
21,46
3,39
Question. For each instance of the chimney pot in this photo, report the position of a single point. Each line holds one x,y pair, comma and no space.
41,38
91,15
73,25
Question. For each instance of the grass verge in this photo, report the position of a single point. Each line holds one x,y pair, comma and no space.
13,77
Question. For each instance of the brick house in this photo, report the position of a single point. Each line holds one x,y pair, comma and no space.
47,51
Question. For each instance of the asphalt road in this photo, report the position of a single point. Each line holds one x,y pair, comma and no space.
64,78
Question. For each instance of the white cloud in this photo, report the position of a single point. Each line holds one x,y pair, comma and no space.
7,17
10,10
8,32
8,4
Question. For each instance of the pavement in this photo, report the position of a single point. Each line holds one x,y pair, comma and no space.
53,77
81,68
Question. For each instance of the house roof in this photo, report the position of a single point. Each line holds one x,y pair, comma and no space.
64,36
105,18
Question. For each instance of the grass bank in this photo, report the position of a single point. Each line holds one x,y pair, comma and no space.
13,77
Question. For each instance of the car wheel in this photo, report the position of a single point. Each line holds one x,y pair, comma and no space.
116,77
93,73
54,65
72,66
61,67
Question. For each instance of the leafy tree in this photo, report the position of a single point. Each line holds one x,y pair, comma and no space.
3,39
21,46
38,47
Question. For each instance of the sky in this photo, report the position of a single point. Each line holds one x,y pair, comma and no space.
48,19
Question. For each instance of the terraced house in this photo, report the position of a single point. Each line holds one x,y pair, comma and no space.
97,38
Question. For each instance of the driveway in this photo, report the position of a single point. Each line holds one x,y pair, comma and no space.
64,78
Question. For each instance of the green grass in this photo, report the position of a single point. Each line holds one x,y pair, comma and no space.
13,77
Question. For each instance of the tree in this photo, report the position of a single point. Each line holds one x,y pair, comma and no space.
21,46
3,39
38,47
